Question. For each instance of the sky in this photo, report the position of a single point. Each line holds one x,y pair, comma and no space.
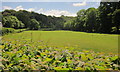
53,0
59,0
51,8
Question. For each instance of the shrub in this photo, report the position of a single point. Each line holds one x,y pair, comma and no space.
7,31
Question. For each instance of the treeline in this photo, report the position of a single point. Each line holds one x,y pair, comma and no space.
30,20
104,19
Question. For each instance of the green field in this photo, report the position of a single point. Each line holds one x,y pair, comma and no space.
79,41
59,50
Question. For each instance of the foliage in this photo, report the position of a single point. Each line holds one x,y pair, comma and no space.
80,21
100,20
69,25
0,17
44,21
107,12
104,19
5,31
116,21
24,17
12,22
34,24
18,57
91,20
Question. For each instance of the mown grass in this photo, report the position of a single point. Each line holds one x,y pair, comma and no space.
76,41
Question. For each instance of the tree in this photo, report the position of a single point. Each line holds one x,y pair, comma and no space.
12,22
8,12
80,20
34,24
116,20
0,17
105,17
69,25
91,15
106,10
24,16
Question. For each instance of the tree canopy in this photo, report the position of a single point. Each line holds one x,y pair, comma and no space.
104,19
12,21
34,24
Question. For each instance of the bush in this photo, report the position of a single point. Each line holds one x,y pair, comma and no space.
7,31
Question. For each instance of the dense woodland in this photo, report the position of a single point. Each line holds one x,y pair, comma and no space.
104,19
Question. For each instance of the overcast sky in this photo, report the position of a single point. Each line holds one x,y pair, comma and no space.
51,8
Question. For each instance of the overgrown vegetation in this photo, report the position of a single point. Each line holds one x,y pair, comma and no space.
27,56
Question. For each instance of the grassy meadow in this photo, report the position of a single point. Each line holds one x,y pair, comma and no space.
76,41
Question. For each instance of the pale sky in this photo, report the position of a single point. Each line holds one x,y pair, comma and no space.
58,0
50,8
50,0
